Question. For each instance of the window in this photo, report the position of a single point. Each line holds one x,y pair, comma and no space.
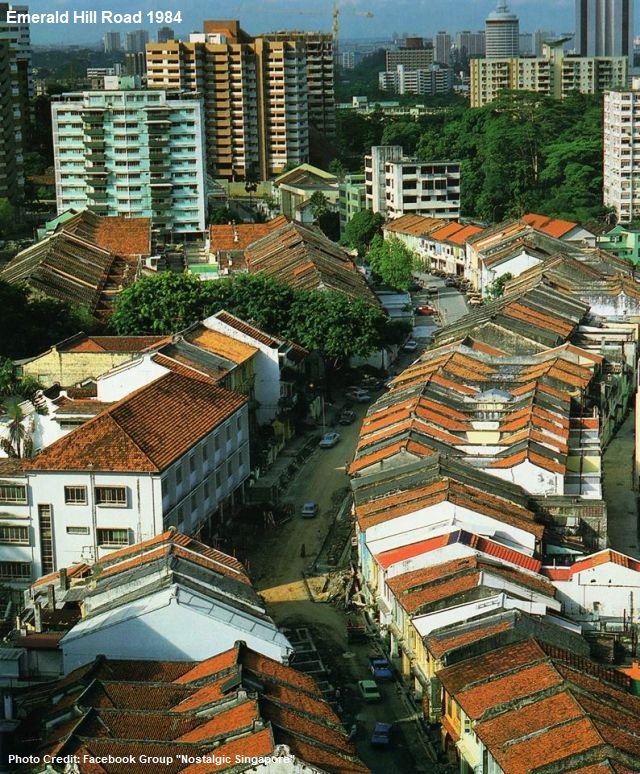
113,537
179,475
14,534
111,496
75,495
192,463
13,493
15,570
77,530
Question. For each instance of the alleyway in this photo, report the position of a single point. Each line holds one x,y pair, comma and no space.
617,475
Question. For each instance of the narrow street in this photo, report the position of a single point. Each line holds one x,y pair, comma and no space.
618,493
276,565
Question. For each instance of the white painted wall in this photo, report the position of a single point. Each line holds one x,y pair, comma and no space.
607,591
515,266
125,379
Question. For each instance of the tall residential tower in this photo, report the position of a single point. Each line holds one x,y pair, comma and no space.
604,27
502,33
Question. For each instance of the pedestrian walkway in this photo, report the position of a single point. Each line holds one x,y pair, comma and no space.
619,495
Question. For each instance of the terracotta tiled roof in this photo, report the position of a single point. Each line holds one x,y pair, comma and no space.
11,466
552,226
125,236
145,431
414,225
441,643
590,562
231,238
112,343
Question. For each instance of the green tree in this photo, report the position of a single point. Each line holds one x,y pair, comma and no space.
337,326
405,133
219,216
496,288
7,218
392,261
161,303
361,229
18,442
337,168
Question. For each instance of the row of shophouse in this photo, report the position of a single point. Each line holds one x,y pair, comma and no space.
480,519
159,433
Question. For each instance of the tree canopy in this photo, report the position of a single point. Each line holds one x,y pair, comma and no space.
361,229
392,261
335,324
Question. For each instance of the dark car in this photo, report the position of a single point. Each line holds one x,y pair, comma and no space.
380,668
346,417
451,282
381,736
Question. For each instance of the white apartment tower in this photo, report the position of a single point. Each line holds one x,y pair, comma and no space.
604,27
621,188
502,33
131,153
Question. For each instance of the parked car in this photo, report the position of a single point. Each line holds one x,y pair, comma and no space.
347,417
381,736
369,690
414,287
451,282
425,310
309,510
432,289
329,440
358,394
380,669
371,383
410,346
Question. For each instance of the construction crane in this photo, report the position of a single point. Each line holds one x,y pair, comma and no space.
335,26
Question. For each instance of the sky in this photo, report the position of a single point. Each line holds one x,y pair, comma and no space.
420,17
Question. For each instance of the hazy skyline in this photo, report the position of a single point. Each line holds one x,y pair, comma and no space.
420,17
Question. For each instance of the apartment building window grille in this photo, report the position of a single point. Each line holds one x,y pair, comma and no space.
15,535
75,495
114,496
46,538
13,493
77,530
113,537
15,570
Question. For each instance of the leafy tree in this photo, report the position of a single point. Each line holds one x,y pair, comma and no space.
405,133
361,229
18,443
219,216
319,204
496,288
7,218
337,168
392,261
162,303
336,325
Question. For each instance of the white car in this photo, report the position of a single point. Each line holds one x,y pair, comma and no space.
358,394
309,510
329,440
410,346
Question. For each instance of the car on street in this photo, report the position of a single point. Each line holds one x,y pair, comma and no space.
410,346
358,394
425,310
451,282
380,668
381,736
369,690
329,440
309,510
432,289
346,417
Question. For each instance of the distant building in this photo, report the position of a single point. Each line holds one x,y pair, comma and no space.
134,153
502,33
442,48
112,42
554,73
397,185
415,55
623,242
436,79
604,27
164,34
471,43
136,40
135,63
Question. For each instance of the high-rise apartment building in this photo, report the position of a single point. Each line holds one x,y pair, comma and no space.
396,185
111,42
164,34
502,33
136,41
604,27
621,188
471,43
442,48
131,153
554,73
17,89
437,79
260,94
